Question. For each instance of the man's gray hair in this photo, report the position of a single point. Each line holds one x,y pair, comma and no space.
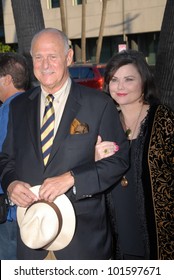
52,30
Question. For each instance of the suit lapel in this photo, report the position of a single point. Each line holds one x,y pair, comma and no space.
71,109
33,113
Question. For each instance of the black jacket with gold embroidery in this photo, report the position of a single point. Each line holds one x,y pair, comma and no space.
154,179
158,181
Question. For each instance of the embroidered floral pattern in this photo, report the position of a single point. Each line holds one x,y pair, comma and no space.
161,163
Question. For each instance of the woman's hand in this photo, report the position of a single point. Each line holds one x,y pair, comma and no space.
104,149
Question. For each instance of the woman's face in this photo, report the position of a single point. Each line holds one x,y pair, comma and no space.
125,86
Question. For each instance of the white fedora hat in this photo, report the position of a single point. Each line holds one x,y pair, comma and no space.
50,226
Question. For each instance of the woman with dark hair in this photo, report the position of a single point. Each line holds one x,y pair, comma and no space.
141,205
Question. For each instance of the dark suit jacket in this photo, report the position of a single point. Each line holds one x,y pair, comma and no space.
21,159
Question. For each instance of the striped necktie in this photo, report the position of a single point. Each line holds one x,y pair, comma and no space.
47,129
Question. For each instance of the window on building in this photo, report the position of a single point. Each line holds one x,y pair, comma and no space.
53,4
76,2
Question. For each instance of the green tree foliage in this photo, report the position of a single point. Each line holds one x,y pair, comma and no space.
5,48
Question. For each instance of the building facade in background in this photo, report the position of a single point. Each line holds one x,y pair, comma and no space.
129,23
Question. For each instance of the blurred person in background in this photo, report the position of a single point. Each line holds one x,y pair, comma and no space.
14,79
142,204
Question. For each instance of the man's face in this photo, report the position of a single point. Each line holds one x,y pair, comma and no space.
50,61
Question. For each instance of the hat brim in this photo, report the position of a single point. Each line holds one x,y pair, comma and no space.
68,221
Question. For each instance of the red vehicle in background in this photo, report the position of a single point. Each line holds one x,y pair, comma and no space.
90,75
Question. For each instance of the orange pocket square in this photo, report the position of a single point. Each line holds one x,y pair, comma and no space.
78,128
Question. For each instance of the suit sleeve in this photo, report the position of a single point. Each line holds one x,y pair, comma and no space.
96,177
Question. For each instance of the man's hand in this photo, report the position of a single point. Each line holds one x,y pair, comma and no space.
55,186
20,194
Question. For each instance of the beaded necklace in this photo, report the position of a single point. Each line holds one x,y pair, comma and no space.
130,135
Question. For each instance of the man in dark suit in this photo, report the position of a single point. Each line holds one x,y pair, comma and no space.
80,115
